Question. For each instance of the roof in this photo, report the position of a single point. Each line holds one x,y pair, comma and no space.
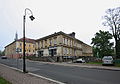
59,33
46,37
62,33
10,44
28,40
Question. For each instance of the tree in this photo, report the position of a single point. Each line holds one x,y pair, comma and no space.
112,20
101,44
2,53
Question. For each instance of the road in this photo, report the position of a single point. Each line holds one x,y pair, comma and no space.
67,74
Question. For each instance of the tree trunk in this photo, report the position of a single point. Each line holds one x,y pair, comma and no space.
117,48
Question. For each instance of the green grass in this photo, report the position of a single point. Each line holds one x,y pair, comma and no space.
117,65
100,63
3,81
94,63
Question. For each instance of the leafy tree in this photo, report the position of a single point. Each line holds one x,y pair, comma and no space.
2,53
112,20
101,44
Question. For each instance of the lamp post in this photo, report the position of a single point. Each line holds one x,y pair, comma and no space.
24,20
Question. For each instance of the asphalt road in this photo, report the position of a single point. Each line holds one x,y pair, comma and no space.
68,74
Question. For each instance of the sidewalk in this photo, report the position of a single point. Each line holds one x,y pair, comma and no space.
17,77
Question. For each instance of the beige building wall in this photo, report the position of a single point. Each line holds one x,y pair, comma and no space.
65,45
10,50
87,50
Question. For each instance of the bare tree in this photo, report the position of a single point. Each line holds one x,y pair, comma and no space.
112,20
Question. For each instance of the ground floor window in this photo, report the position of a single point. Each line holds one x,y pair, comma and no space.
52,52
40,53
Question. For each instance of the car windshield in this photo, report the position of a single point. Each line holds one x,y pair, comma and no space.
107,59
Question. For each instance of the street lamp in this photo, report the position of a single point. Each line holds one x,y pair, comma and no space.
24,19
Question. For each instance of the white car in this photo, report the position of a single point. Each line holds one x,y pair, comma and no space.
107,60
80,60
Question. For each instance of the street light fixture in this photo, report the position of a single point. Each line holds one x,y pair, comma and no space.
24,19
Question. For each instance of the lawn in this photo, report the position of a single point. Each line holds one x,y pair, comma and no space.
94,63
117,65
3,81
100,63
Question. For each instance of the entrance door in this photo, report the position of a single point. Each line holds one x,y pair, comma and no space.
52,52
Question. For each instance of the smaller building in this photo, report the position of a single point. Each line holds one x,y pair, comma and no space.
15,49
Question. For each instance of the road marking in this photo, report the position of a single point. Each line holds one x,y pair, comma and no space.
55,81
46,78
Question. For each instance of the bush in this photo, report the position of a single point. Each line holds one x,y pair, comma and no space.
117,61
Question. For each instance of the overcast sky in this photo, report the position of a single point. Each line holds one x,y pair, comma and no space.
84,17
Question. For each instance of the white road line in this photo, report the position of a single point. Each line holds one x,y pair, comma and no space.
46,78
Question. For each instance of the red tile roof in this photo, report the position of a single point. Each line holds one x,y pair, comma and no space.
28,40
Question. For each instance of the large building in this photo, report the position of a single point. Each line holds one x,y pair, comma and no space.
61,45
15,49
57,47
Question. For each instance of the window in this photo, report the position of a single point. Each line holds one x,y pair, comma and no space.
20,44
71,42
40,53
63,40
29,45
79,45
41,44
70,51
45,43
52,52
55,40
55,51
50,41
20,50
29,50
66,41
65,51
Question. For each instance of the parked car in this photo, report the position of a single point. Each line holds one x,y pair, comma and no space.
3,57
107,60
80,60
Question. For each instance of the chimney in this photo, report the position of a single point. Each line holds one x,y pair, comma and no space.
72,34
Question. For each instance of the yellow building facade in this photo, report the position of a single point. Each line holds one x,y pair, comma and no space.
15,49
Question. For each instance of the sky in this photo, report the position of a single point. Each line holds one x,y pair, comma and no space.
84,17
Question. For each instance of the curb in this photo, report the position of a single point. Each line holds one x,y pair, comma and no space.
96,67
55,81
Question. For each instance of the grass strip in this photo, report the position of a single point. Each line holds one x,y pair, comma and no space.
3,81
